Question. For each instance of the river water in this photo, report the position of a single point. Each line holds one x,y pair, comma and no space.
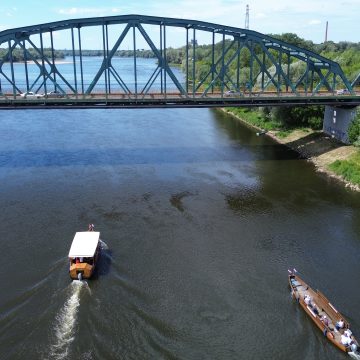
200,220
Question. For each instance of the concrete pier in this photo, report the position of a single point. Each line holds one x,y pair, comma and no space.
337,121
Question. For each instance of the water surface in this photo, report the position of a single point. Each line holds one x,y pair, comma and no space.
200,220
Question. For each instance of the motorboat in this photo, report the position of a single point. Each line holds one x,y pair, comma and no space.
83,255
326,317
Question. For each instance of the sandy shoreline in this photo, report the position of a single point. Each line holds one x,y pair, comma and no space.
32,62
315,146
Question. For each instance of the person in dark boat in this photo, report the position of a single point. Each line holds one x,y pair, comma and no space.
340,324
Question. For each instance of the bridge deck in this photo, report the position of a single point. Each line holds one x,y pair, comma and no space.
120,100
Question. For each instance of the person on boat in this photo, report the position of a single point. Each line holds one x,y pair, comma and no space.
345,340
339,325
353,346
315,310
348,333
325,320
307,299
91,227
77,260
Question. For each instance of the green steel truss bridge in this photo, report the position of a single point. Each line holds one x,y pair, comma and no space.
242,67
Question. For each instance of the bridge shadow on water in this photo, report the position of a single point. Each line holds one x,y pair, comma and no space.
142,156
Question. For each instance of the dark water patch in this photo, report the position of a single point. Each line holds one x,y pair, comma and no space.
212,316
146,196
248,201
95,212
161,327
161,350
176,200
114,215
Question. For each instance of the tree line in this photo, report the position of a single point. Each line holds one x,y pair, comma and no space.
18,55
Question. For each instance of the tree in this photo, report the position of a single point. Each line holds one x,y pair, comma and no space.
354,130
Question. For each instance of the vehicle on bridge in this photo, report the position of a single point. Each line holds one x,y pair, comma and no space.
343,92
233,93
31,95
54,94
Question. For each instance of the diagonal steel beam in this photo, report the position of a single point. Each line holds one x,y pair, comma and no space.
214,71
105,63
287,80
43,68
162,60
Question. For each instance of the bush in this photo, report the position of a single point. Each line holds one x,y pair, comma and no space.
294,116
354,131
315,123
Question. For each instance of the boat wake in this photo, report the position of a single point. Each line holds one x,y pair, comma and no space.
103,245
66,322
354,355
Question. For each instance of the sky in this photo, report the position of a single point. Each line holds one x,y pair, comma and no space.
306,18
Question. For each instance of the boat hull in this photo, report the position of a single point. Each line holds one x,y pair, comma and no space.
86,271
319,307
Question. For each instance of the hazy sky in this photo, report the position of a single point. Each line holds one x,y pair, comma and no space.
307,18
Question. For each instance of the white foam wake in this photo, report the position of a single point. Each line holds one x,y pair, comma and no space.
354,355
65,323
103,245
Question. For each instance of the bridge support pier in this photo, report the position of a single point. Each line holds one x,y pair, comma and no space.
337,121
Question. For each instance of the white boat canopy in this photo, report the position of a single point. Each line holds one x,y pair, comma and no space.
84,244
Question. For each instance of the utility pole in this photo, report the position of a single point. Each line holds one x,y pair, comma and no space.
247,18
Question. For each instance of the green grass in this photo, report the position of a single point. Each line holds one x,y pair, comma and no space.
348,169
284,133
255,118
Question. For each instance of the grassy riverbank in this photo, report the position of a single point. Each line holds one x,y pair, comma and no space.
349,169
329,156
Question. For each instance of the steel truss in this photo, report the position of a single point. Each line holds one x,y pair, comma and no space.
262,63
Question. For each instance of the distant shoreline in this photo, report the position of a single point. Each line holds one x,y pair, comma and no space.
32,62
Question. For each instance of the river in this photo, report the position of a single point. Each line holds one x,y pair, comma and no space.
200,220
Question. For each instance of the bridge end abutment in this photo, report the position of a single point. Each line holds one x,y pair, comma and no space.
337,121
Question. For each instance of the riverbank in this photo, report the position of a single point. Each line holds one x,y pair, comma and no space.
315,146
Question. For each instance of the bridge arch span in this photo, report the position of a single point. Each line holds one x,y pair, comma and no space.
239,62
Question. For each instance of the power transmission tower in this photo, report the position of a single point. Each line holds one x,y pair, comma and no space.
247,18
